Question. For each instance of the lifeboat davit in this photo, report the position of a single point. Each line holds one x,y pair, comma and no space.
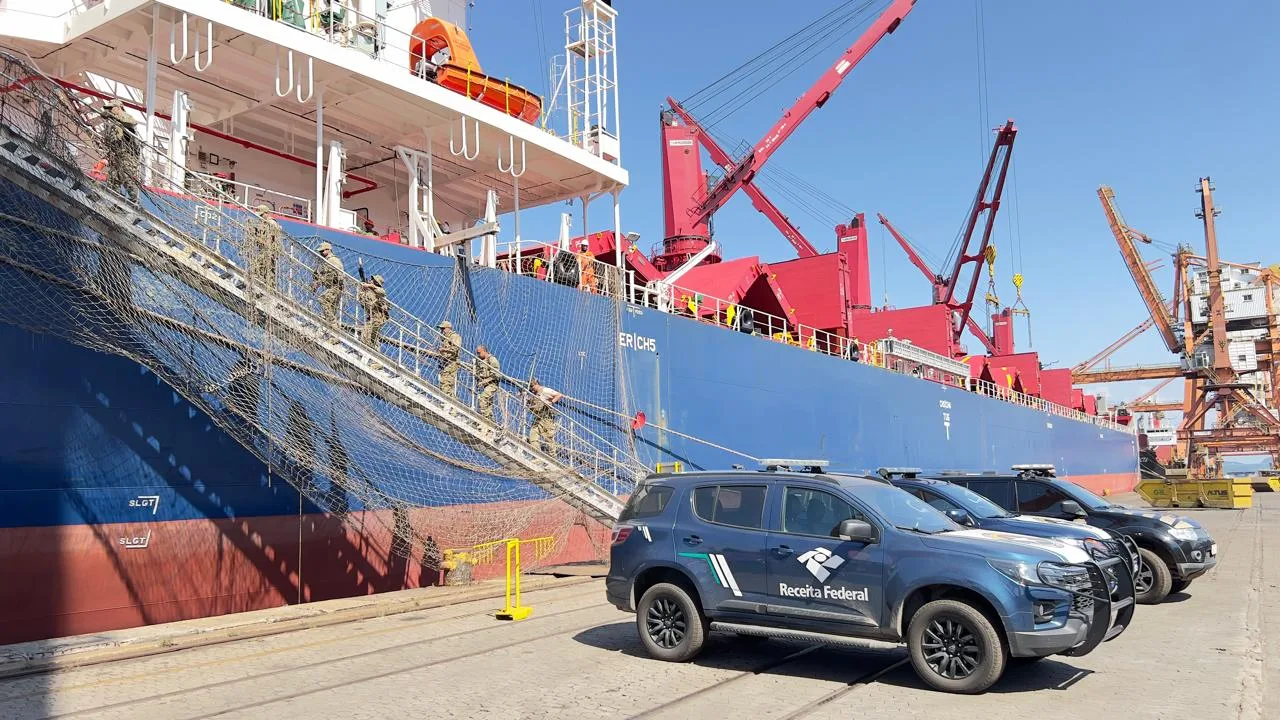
441,52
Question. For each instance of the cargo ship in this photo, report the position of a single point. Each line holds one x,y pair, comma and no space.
184,433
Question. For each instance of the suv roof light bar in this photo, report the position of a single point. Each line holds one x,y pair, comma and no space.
902,472
775,464
1045,469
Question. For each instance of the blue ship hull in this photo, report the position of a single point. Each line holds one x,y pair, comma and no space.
96,451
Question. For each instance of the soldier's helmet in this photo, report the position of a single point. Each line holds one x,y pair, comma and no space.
377,280
111,105
445,325
262,209
324,246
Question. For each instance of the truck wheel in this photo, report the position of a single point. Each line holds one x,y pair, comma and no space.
1178,586
1153,581
670,623
955,648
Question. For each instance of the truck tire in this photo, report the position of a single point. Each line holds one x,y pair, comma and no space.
670,623
1178,586
1154,581
955,648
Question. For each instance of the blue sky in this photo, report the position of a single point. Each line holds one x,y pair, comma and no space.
1146,97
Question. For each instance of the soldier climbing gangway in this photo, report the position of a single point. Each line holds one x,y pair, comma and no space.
307,323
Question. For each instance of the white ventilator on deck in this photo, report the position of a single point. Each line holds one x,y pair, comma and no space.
165,284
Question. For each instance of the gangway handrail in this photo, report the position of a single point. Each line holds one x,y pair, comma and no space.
225,281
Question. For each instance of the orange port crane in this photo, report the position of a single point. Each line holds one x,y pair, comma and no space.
1244,425
1161,315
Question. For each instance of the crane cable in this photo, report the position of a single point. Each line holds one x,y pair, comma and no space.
834,35
719,85
760,73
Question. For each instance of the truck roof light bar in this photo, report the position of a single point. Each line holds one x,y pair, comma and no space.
775,464
902,472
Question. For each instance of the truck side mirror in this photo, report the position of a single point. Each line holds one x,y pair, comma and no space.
1072,509
856,531
961,516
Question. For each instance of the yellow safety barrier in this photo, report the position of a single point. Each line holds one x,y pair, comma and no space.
463,560
513,611
675,467
1225,493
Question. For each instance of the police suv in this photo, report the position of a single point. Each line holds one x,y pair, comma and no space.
806,555
973,510
1173,550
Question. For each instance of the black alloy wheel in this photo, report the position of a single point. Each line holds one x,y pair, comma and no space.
1142,581
670,623
666,623
951,649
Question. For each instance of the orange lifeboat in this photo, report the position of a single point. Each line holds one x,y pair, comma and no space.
441,52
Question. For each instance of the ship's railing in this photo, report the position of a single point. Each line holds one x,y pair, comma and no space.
202,209
897,355
344,25
281,203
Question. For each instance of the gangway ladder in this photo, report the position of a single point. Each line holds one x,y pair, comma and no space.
156,243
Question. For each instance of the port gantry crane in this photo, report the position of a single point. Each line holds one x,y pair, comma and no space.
689,208
1244,424
945,287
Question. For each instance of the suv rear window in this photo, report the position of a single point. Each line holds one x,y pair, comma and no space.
737,505
647,501
999,492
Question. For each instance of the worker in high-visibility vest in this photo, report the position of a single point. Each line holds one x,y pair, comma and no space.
586,267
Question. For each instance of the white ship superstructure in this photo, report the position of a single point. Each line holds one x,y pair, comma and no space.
317,109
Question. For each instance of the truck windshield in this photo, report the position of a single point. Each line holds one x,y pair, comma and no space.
904,510
1082,496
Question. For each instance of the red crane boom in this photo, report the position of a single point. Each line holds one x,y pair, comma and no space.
1001,152
740,173
945,287
938,282
759,201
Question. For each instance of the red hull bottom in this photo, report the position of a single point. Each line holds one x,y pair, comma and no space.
76,579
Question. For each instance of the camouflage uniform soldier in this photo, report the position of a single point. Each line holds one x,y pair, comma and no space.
542,435
123,149
264,246
450,348
488,374
327,278
377,309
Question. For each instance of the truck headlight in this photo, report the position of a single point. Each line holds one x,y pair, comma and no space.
1074,578
1186,533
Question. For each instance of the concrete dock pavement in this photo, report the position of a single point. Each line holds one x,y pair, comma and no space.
1208,653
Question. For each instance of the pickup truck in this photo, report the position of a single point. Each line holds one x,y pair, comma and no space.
1173,550
833,558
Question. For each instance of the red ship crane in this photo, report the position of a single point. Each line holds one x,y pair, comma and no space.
759,200
689,210
936,281
953,290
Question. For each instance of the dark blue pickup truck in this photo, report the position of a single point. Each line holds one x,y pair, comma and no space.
827,558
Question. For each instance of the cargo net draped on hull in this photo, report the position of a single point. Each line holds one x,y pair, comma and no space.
354,423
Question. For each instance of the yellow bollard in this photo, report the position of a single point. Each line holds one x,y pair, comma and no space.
514,611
